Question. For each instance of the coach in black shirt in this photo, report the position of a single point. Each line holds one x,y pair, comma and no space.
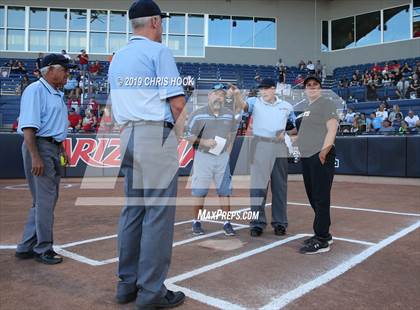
316,137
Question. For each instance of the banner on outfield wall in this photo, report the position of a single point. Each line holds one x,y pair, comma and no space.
101,156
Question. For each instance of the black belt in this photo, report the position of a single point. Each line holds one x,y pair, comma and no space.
152,123
50,139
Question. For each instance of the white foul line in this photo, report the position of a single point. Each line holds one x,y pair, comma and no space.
360,209
77,257
230,260
337,271
8,246
211,301
67,245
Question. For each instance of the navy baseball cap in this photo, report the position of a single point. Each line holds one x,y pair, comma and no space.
311,78
57,59
144,8
267,83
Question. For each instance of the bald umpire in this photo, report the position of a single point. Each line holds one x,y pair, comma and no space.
43,123
148,102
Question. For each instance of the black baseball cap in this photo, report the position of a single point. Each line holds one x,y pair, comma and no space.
267,83
313,78
57,59
144,8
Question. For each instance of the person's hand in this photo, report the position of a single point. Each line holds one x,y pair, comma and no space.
66,158
37,166
210,143
323,155
280,136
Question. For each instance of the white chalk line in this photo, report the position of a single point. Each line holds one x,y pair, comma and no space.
230,260
368,243
211,301
26,187
360,209
296,293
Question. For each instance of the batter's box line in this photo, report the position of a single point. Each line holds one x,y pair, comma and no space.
285,299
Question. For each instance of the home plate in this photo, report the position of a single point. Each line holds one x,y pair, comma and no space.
222,245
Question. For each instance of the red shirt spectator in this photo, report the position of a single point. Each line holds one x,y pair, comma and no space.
15,125
299,79
95,68
376,68
74,119
73,103
83,58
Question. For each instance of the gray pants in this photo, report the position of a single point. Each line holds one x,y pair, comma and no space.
269,161
146,224
38,231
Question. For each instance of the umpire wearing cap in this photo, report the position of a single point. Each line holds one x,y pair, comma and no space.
147,110
269,156
317,130
43,123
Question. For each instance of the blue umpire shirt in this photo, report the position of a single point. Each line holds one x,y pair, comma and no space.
43,107
268,119
142,76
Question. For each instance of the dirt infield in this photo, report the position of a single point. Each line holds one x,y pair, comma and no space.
374,262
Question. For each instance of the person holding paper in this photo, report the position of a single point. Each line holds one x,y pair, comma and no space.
212,129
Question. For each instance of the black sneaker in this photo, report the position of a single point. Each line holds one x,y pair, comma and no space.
314,247
25,255
309,240
171,300
280,230
197,229
229,231
49,258
126,298
256,232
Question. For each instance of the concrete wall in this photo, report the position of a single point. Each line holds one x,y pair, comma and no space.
298,28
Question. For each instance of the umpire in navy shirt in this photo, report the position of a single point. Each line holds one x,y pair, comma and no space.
148,102
316,136
43,123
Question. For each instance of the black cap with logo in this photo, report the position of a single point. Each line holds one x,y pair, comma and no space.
144,8
267,83
312,78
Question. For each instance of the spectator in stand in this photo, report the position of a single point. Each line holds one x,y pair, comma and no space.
70,87
376,68
310,67
279,63
386,127
299,79
257,79
386,69
396,123
394,66
350,115
15,124
301,65
93,106
411,120
38,61
282,74
404,128
367,78
359,77
75,120
413,90
395,111
64,53
344,82
105,122
406,69
74,102
95,68
83,61
360,123
354,81
382,112
402,87
386,81
24,82
318,69
371,94
417,71
397,75
377,81
89,122
375,122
